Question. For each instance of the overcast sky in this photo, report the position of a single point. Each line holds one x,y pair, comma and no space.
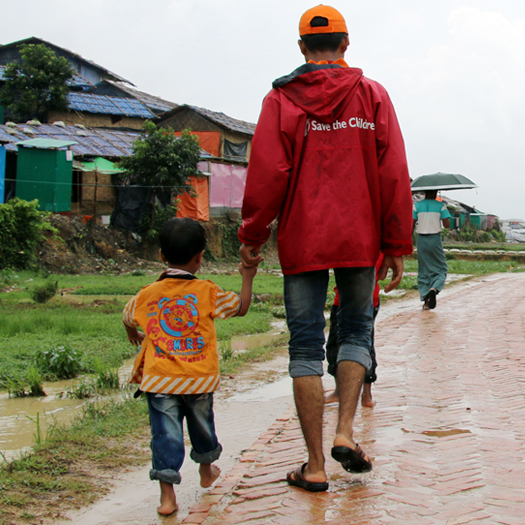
454,69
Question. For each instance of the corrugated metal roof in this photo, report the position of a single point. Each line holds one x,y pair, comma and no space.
91,142
151,101
108,105
218,118
79,81
36,40
224,120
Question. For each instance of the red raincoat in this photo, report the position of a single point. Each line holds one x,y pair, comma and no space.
328,160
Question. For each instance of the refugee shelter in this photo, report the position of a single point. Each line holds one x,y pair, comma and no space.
97,97
222,136
93,189
229,141
45,172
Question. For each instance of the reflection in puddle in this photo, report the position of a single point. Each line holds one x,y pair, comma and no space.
439,433
249,342
267,392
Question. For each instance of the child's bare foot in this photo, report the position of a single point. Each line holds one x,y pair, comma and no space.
208,473
366,396
333,397
168,502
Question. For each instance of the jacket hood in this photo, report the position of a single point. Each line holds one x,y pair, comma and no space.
320,90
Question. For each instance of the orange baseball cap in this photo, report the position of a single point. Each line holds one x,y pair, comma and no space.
336,22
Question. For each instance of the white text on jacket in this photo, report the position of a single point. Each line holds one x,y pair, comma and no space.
353,122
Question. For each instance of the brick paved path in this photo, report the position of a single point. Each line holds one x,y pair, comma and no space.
447,435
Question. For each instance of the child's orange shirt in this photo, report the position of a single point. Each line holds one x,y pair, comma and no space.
179,352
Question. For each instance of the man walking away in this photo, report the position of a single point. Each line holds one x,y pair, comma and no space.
328,160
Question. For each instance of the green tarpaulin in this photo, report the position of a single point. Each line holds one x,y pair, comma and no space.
101,165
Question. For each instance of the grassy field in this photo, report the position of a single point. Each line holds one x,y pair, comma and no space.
87,316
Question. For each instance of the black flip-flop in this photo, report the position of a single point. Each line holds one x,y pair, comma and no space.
432,299
352,460
299,480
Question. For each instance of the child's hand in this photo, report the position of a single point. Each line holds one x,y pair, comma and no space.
247,272
134,336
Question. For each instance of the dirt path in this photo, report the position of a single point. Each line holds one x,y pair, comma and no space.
244,408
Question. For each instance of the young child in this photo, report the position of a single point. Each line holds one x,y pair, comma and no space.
178,362
332,349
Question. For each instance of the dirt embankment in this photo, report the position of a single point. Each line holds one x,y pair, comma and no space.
80,247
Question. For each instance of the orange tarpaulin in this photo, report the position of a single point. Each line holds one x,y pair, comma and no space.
210,141
195,207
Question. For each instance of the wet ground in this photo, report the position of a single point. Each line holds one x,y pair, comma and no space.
446,435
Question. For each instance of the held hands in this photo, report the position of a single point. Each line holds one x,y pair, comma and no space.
247,272
397,265
250,255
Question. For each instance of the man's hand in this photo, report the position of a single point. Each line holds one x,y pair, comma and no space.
397,265
250,255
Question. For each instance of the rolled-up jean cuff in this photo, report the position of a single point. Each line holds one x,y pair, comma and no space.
167,475
207,457
303,368
358,354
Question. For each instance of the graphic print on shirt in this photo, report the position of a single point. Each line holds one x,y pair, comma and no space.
173,329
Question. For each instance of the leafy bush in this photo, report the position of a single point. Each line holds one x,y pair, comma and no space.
44,292
230,241
151,223
498,235
21,230
15,385
107,378
61,362
34,379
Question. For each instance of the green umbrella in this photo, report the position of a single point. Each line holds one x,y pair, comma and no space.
442,181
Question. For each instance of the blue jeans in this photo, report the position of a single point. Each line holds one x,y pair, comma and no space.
305,298
166,414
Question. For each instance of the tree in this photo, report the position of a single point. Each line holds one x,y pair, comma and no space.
162,162
37,84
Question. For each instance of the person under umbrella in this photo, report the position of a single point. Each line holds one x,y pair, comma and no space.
431,261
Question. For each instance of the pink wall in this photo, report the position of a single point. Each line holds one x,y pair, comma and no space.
226,185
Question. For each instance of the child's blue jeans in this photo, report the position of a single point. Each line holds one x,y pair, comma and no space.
166,414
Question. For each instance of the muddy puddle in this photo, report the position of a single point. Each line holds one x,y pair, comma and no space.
18,416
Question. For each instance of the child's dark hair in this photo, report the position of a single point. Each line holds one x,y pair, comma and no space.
322,41
181,239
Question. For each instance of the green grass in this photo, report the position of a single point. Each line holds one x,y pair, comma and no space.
64,466
92,324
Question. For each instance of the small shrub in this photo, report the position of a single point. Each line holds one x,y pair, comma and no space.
230,241
82,390
107,378
138,273
61,362
34,379
151,224
15,385
21,230
44,292
499,236
7,276
225,351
